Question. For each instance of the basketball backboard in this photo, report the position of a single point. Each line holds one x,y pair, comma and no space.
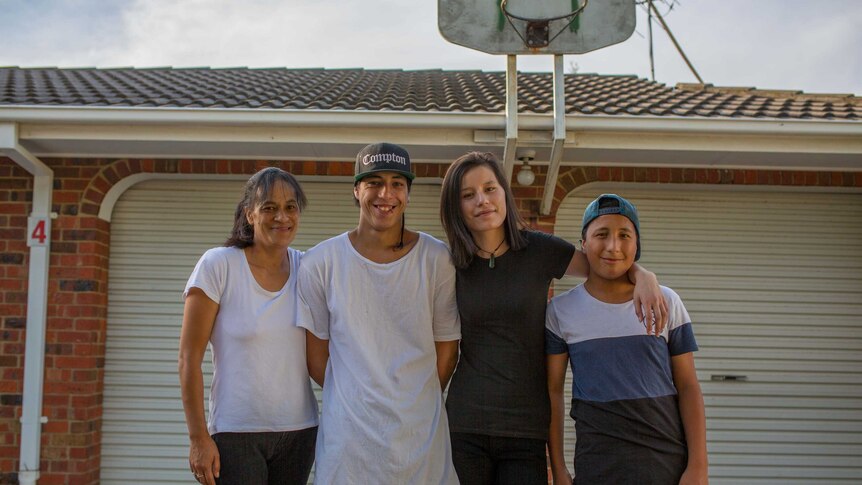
486,26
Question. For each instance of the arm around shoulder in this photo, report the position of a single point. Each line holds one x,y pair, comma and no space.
649,301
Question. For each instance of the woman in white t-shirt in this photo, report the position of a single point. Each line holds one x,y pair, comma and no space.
241,299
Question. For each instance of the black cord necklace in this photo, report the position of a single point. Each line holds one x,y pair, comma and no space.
491,262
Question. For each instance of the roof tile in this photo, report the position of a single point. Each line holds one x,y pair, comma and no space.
397,90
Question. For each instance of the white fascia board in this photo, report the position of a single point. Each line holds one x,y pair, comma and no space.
603,132
248,117
678,124
262,126
383,119
10,147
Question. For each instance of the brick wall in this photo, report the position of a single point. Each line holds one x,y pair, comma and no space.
15,190
77,301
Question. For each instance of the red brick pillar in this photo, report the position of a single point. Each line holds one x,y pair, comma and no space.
16,187
76,321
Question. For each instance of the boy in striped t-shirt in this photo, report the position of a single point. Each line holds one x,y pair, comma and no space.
637,404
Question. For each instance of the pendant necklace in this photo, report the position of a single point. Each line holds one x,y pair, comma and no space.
491,262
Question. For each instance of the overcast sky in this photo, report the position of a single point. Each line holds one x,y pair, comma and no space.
815,46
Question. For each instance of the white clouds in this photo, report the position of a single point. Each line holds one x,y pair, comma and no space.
785,44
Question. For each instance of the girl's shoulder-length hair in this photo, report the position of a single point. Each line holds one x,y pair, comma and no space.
461,242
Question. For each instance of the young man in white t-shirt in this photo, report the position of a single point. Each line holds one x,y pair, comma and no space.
378,304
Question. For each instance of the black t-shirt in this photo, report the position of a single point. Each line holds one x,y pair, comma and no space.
500,385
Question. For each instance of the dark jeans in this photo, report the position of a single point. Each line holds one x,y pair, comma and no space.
275,458
485,460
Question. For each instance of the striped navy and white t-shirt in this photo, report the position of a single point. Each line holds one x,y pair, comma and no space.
628,426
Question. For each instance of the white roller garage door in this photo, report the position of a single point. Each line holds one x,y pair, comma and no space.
773,282
159,230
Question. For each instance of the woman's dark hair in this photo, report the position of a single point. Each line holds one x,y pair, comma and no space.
258,189
460,240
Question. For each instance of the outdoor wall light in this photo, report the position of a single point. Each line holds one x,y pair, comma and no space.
526,176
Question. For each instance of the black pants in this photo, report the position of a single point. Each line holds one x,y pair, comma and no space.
275,458
486,460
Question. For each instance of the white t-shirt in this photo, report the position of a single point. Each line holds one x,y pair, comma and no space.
383,415
260,378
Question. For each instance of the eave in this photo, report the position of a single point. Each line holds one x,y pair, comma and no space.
208,133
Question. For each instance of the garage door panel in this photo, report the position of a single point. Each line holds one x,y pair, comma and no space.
741,400
719,412
784,425
788,390
831,346
773,284
779,326
715,304
783,377
768,436
787,461
767,353
159,230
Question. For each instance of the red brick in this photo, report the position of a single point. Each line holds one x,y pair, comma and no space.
223,167
53,479
56,427
11,284
88,400
70,387
89,324
89,349
101,185
61,297
91,298
122,169
79,452
134,166
77,185
58,375
88,375
11,309
76,311
74,337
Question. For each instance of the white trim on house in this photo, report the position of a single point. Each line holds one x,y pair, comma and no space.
435,136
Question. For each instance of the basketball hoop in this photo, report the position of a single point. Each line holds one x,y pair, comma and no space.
537,33
533,30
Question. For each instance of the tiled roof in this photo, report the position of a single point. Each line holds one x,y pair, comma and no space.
397,90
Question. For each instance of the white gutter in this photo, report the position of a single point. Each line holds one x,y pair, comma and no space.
39,240
414,119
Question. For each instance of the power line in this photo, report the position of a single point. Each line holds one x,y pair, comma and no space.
652,10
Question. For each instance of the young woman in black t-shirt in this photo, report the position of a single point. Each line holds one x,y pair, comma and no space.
498,406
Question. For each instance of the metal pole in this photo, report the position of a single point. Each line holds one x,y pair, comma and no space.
649,34
675,43
511,145
559,135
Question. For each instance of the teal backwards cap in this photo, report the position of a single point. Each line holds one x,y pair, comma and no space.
612,204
